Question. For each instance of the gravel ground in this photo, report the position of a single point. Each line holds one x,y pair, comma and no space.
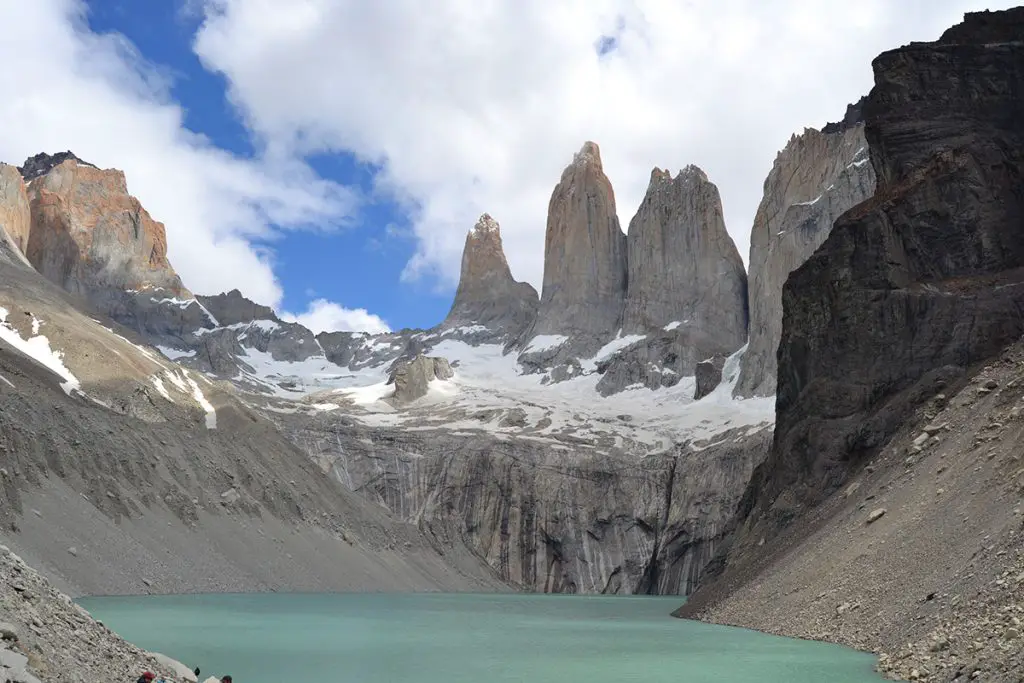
919,556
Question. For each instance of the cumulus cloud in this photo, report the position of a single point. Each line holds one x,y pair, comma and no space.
68,88
328,316
475,107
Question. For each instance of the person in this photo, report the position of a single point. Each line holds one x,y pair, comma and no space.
146,677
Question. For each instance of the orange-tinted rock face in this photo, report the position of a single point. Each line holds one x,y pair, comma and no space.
15,216
88,234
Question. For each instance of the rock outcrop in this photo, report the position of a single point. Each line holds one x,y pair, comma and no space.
584,255
89,235
412,379
684,269
232,308
708,375
488,295
816,178
15,212
912,286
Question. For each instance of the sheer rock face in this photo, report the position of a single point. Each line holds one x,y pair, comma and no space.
816,178
912,286
488,295
15,213
684,269
584,255
89,235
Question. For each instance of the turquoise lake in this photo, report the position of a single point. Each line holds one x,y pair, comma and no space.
438,638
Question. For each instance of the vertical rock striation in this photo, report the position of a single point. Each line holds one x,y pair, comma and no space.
816,178
488,295
584,254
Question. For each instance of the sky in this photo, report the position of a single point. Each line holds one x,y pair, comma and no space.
326,157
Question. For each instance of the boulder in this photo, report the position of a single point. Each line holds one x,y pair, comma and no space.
412,378
708,374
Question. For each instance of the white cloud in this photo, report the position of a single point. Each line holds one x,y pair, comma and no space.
326,316
68,88
475,106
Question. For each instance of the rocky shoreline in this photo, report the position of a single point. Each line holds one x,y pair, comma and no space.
47,637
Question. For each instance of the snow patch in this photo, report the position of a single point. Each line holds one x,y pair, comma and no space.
35,325
159,384
6,381
197,394
810,203
672,326
38,348
545,342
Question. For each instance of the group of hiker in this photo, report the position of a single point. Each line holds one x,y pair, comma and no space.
150,677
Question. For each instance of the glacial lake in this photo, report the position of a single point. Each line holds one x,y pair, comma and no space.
439,638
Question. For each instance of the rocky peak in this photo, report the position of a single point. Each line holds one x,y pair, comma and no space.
815,179
584,253
15,213
89,235
488,295
684,269
231,308
43,163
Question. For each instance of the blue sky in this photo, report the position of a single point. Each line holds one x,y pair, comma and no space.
327,157
359,264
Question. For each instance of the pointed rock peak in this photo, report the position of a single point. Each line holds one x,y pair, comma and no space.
487,294
43,163
485,226
662,178
590,153
694,172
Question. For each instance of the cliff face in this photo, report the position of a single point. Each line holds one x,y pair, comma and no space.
817,177
684,269
488,295
584,253
547,518
912,286
15,213
89,235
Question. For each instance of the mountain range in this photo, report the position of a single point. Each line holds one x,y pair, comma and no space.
654,420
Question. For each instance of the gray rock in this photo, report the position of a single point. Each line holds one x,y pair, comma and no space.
875,515
412,379
817,177
584,257
487,294
684,269
709,375
8,631
230,497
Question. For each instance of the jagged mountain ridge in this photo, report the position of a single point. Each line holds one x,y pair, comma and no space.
585,403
